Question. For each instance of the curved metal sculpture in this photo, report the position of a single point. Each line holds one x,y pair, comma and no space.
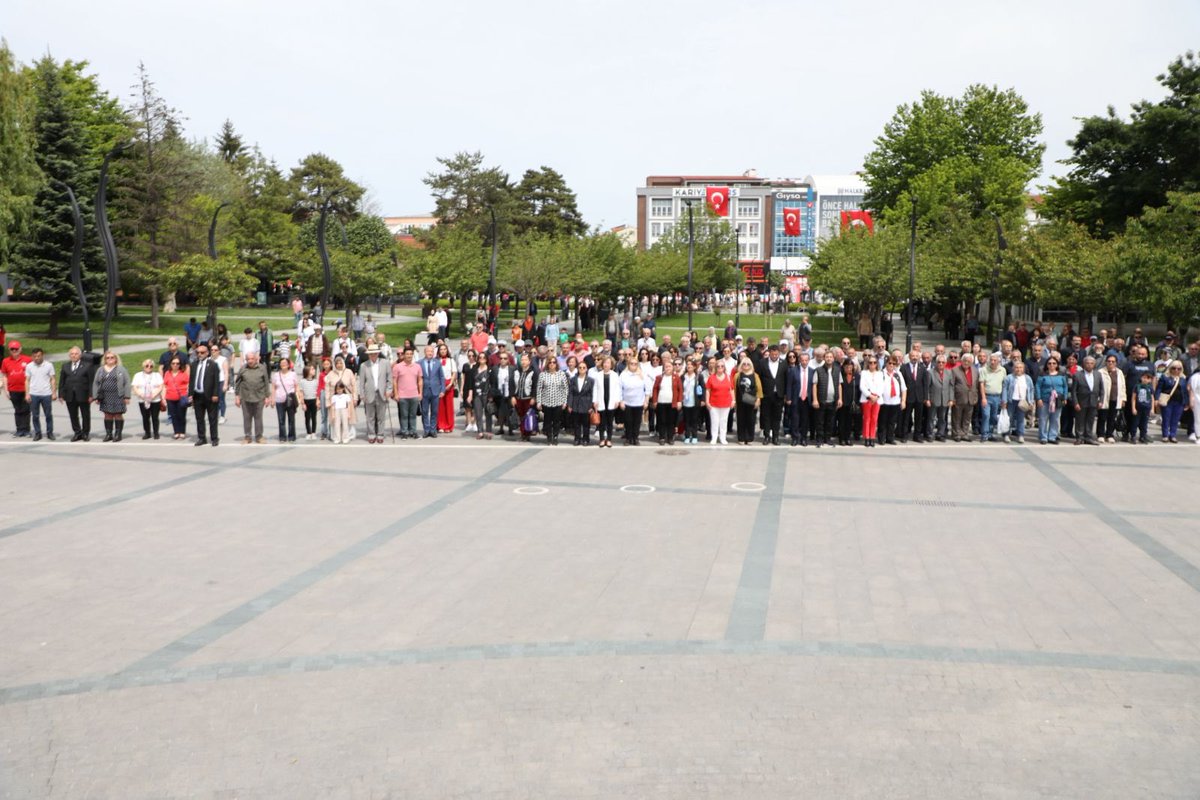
106,240
77,264
324,251
212,233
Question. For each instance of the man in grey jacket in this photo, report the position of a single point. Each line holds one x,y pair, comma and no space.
251,391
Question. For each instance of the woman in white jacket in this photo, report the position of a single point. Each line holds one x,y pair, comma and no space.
871,385
606,396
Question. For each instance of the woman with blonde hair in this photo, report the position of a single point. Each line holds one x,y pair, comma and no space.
148,387
110,390
747,394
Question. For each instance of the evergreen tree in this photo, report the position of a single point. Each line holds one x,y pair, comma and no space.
230,147
17,164
546,204
42,260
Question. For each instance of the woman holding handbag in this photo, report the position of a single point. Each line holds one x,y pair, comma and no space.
1017,400
580,389
148,389
692,401
477,381
747,392
1171,398
606,397
667,398
287,399
526,393
849,416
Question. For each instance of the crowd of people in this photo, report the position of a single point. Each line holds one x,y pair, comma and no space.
549,384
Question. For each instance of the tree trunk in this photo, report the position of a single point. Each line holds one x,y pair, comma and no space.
154,307
462,303
52,333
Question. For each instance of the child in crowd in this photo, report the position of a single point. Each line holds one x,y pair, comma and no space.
340,412
1144,402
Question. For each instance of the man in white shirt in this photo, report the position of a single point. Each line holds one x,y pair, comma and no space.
41,389
646,341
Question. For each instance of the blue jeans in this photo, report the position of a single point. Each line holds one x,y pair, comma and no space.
324,418
42,401
1048,422
1171,413
1017,417
429,412
990,413
221,401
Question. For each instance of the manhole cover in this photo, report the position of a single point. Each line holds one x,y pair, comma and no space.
672,452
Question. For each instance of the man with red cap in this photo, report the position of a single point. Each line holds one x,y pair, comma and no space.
12,380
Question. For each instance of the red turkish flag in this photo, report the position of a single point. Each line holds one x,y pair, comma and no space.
860,218
718,199
791,221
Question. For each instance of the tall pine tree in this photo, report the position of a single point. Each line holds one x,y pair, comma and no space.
42,261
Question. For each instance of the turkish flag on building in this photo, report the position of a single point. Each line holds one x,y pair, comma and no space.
791,221
853,219
718,199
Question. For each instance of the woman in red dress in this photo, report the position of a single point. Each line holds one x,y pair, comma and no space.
445,423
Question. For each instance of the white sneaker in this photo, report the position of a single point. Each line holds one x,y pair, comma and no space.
1193,438
222,420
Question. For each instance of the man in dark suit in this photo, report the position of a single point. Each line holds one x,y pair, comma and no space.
1086,392
205,393
801,384
772,374
916,382
75,389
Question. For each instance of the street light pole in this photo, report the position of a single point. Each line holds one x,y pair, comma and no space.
691,258
912,279
1001,246
737,264
492,267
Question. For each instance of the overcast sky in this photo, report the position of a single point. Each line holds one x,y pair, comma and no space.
606,93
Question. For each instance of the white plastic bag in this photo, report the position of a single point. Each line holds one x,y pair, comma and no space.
1003,423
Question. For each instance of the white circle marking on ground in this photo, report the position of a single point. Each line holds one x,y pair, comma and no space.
531,490
747,486
637,488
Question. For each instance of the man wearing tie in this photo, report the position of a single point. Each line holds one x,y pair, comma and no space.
374,387
74,388
1085,395
432,389
772,374
800,397
913,419
206,380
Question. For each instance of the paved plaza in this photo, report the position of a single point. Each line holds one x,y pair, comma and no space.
441,620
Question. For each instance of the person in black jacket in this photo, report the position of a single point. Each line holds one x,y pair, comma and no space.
773,375
827,399
579,402
74,389
204,391
916,386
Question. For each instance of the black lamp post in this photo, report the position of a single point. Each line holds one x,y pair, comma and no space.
492,265
1001,246
77,264
212,253
912,279
106,240
326,266
691,258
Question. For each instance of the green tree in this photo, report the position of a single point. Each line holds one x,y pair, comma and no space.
223,281
19,174
605,264
364,266
545,204
464,191
43,257
536,264
230,147
317,177
457,265
868,272
1118,167
1065,268
260,221
1158,260
713,262
976,152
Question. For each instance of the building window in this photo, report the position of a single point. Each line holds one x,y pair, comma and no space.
747,207
752,250
656,229
667,226
660,207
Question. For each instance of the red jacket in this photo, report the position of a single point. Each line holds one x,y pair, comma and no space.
676,390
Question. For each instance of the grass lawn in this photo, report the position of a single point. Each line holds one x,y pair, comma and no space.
826,330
